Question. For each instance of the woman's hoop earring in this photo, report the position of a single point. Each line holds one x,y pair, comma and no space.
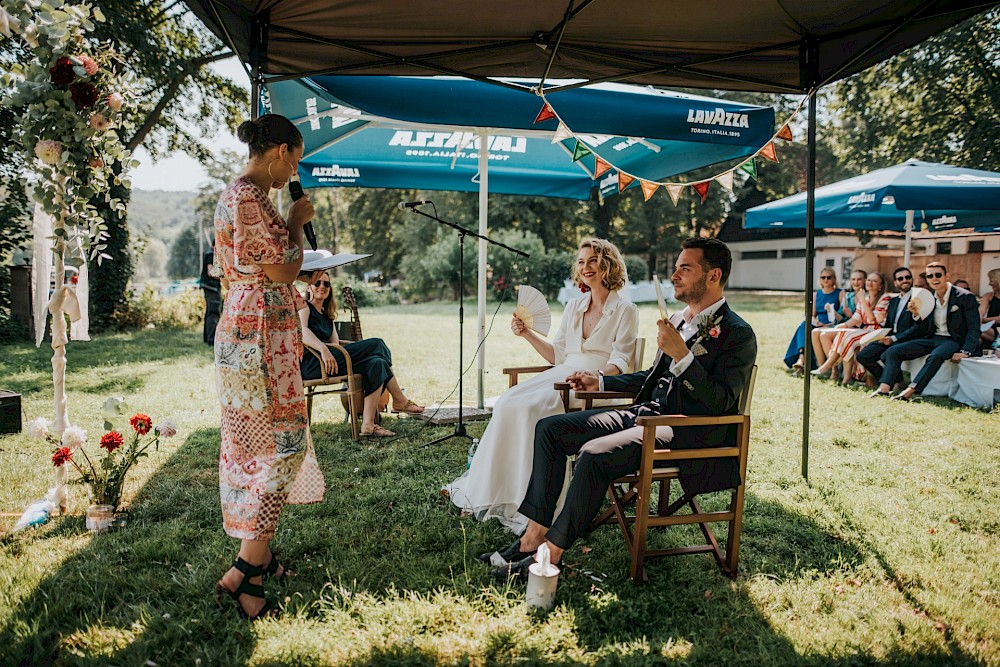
278,180
272,175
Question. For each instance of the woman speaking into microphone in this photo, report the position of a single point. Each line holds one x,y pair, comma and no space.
266,457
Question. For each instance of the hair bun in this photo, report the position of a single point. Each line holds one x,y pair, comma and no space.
248,132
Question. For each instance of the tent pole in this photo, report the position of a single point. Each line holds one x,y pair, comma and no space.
909,238
258,43
810,56
484,205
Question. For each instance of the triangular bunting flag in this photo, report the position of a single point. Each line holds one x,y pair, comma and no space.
768,152
674,191
562,132
785,133
546,113
726,180
624,180
600,167
648,188
701,189
750,167
580,151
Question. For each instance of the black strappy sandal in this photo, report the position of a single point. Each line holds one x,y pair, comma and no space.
271,569
246,588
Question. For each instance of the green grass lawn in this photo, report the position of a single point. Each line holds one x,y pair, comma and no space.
887,555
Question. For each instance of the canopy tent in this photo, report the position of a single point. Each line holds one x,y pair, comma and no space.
425,133
904,197
760,45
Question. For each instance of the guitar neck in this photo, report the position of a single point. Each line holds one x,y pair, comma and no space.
355,318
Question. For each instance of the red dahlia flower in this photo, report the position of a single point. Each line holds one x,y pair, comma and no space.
61,456
112,440
84,95
141,423
62,72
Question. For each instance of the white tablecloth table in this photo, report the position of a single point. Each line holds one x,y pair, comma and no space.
978,382
944,382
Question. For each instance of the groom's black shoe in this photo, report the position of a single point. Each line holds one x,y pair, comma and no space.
516,570
509,554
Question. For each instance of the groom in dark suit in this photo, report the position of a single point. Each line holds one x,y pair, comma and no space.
706,353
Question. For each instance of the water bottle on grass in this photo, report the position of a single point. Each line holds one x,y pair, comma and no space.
472,452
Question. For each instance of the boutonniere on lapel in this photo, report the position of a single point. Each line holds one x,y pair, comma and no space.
707,328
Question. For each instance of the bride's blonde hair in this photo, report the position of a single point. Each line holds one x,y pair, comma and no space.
609,262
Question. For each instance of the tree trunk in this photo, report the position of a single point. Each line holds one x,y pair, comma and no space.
109,279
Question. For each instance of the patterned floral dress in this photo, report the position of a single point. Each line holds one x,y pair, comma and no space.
266,459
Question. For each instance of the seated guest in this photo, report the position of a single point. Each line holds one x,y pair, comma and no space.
849,298
964,284
843,341
901,324
597,333
706,354
826,303
848,309
989,308
369,357
954,335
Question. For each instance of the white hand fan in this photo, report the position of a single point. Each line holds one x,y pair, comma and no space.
922,300
533,309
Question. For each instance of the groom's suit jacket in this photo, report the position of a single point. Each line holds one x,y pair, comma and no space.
711,385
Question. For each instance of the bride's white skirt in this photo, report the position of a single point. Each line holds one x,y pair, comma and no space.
495,484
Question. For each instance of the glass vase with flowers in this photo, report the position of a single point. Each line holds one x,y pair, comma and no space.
105,473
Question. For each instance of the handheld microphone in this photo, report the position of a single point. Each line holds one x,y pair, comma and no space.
296,192
403,205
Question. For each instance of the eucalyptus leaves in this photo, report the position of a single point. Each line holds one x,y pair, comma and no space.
71,97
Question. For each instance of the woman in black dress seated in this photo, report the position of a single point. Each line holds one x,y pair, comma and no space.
370,357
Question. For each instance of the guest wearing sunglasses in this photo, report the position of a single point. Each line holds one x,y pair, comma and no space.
952,336
370,357
841,343
826,304
900,322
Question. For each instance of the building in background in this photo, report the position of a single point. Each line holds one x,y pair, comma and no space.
775,259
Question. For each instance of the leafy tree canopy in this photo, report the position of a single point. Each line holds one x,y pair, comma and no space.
938,101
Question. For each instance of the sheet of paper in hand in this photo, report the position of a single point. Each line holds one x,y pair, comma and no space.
533,309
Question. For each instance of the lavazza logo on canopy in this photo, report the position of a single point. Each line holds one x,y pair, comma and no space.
861,200
336,171
717,117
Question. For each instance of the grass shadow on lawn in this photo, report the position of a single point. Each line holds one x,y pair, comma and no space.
385,573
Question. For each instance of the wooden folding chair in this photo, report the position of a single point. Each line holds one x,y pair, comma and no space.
635,363
347,384
658,466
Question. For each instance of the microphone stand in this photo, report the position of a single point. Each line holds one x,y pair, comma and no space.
460,431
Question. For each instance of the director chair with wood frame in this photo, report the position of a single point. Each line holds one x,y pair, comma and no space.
346,383
659,466
514,373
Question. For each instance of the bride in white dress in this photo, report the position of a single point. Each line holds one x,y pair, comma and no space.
598,332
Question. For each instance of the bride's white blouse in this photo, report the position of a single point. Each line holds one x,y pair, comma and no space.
615,334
